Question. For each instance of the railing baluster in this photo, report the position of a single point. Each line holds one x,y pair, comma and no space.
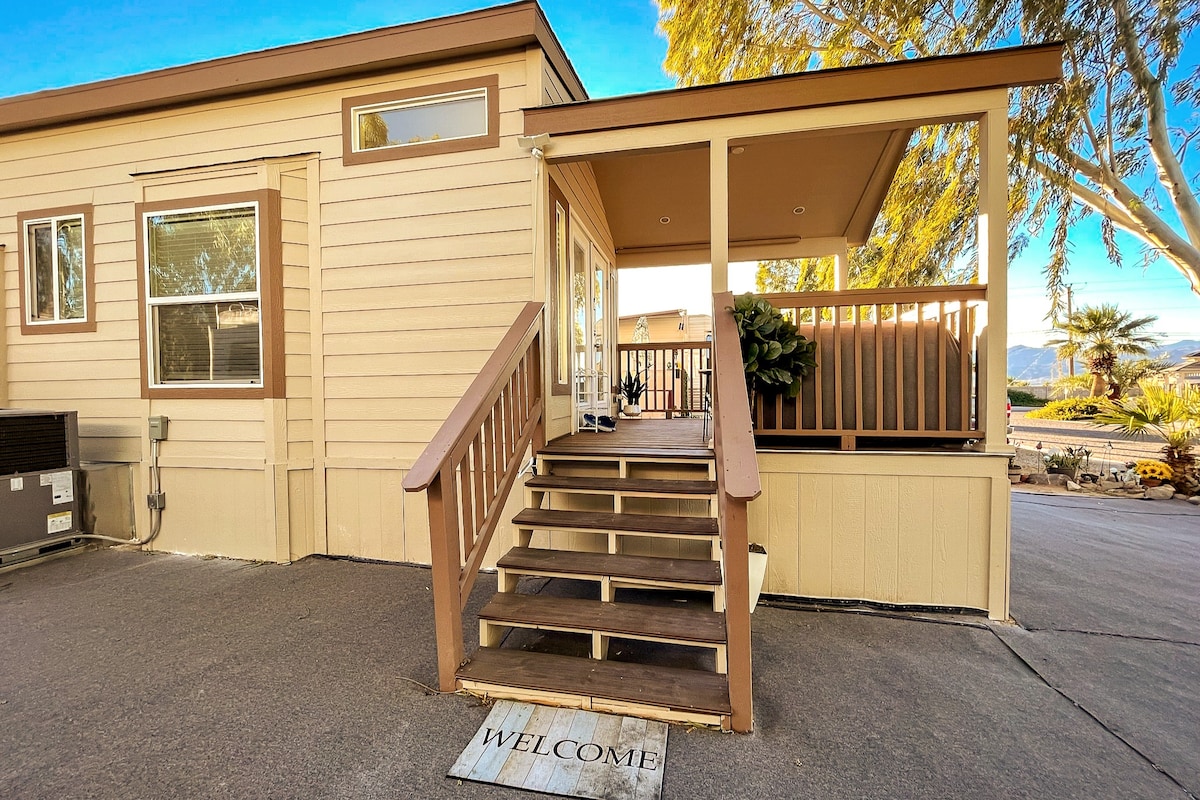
468,470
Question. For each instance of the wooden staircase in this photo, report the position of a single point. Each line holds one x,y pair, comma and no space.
637,624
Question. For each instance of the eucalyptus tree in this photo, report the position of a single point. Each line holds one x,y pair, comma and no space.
1112,140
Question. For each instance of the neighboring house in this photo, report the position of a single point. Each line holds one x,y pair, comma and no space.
304,256
1185,373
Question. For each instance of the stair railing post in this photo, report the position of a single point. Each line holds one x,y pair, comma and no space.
446,562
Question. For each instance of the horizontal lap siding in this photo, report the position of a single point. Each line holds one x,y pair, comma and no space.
885,528
425,263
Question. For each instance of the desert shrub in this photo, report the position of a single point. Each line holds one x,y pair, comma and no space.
1020,398
1071,408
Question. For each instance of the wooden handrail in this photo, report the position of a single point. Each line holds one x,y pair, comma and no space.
731,413
737,483
470,467
472,407
901,294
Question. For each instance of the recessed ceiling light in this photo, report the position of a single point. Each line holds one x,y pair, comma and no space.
798,210
737,151
664,220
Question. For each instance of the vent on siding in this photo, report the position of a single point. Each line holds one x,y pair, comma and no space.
33,443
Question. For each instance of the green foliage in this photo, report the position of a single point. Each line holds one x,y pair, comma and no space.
1172,416
1071,408
632,387
1020,398
1099,335
776,357
1071,386
1111,139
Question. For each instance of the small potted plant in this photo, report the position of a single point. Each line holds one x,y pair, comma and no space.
1065,462
632,388
1153,472
1014,470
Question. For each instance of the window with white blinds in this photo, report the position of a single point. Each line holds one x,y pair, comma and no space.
203,295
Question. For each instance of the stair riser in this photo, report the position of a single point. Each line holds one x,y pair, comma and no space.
506,581
491,634
491,691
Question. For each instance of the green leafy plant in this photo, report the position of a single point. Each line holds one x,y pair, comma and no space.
1071,408
1172,416
632,388
776,357
1021,398
1068,460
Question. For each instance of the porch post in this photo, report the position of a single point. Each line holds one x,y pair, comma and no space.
993,272
841,268
718,199
993,359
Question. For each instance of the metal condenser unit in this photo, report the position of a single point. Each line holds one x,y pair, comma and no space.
39,461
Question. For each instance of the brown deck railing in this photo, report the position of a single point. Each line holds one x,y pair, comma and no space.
737,484
674,373
470,467
890,363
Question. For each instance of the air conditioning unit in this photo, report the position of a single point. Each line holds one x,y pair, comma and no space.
39,462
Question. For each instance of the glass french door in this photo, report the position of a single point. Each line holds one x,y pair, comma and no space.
593,322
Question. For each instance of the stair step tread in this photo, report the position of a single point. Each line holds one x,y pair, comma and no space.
632,485
675,623
646,568
607,521
666,687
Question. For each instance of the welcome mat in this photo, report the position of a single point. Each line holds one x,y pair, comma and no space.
567,751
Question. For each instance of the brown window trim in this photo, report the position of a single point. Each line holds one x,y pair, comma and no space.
556,196
270,280
88,323
491,139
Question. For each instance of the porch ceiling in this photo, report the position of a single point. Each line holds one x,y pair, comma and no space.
812,192
782,189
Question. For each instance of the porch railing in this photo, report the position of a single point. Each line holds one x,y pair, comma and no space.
737,484
890,363
675,374
468,470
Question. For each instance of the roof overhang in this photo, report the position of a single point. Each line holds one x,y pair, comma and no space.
501,28
791,193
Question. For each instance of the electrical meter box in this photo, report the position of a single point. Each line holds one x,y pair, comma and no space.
39,466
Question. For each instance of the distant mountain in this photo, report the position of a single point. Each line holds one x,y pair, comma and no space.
1037,364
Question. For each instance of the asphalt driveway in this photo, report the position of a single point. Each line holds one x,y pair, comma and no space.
127,675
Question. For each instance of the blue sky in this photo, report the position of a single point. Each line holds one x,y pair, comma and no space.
616,50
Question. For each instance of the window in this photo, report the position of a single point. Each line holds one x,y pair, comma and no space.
441,118
560,290
207,283
57,285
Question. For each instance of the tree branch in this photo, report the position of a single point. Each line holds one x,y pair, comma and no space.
1170,171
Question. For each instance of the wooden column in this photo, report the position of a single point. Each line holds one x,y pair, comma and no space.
718,199
993,272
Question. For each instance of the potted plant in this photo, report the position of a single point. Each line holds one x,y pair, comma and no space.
758,572
1065,462
1014,470
775,355
1153,472
632,388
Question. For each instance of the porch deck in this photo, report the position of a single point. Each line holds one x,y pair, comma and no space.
666,438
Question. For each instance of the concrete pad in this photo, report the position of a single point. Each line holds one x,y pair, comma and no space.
1109,565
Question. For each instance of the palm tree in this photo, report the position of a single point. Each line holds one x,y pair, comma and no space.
1098,335
1172,416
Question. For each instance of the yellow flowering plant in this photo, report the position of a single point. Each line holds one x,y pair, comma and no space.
1152,468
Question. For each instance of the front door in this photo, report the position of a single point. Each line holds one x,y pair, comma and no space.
592,303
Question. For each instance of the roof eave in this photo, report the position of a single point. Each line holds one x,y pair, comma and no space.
1029,65
496,29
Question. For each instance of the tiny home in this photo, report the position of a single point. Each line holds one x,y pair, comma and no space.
388,261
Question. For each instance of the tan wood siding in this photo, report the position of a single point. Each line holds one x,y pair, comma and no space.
892,528
418,267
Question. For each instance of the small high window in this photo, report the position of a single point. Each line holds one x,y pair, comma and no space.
442,118
56,279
